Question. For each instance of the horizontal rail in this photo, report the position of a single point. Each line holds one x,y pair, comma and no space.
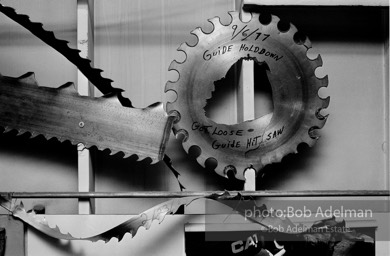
172,194
318,2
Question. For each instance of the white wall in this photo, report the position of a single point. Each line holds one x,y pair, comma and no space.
135,41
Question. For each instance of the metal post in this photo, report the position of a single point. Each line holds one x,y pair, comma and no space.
85,45
245,99
178,194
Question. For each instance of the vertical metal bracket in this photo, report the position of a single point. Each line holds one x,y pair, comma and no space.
85,45
245,99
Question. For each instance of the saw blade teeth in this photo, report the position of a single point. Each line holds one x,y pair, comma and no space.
170,106
182,134
318,122
175,115
229,168
307,43
68,88
171,86
254,16
324,81
265,19
234,16
135,156
153,161
293,149
312,136
200,160
99,147
20,132
7,129
171,100
175,66
211,163
303,128
28,78
322,117
283,26
196,152
317,62
199,34
112,98
127,154
325,102
279,156
47,136
292,29
216,22
184,48
154,107
34,134
266,160
274,19
113,152
186,146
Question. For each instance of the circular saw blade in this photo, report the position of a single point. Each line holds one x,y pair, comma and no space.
264,140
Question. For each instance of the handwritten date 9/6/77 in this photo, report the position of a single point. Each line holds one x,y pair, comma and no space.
246,33
242,34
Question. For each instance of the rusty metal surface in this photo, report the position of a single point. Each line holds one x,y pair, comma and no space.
264,140
102,122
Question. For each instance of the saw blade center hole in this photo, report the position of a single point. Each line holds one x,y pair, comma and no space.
222,106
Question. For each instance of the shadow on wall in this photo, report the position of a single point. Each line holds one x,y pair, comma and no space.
275,175
38,149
